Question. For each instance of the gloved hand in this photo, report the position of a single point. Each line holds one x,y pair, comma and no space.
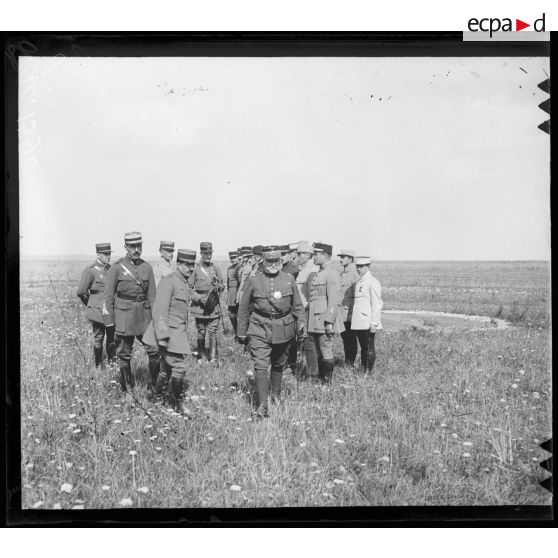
373,328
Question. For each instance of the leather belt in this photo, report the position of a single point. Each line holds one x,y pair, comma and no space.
272,315
95,291
137,298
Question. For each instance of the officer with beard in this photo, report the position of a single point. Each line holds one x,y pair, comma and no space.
277,313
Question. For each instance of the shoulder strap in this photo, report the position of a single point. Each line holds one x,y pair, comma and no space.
128,272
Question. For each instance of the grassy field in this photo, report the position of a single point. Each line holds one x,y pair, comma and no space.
447,417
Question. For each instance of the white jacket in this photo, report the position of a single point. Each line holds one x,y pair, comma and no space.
367,309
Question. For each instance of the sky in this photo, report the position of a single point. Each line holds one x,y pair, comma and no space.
395,158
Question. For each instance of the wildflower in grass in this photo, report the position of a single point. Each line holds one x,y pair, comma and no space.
384,459
105,487
133,452
444,425
72,416
522,372
116,421
477,423
502,400
302,444
76,431
126,502
466,455
339,441
314,464
231,417
535,458
137,441
454,435
235,488
37,505
536,395
66,487
57,506
338,481
143,489
514,386
158,448
437,452
468,444
152,438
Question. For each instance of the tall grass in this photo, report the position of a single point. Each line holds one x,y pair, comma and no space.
447,418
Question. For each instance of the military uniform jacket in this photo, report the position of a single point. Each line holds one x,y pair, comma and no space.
324,300
129,295
232,284
161,269
201,281
170,314
291,268
269,308
367,308
245,271
91,290
349,276
307,270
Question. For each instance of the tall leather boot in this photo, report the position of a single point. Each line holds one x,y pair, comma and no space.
176,397
154,368
262,393
311,360
160,387
213,350
130,378
124,375
110,345
98,353
320,367
201,348
276,379
327,372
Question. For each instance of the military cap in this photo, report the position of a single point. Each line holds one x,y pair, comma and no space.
304,247
293,246
166,245
206,247
185,256
133,238
233,254
284,249
246,250
257,250
271,252
362,260
345,252
103,248
321,247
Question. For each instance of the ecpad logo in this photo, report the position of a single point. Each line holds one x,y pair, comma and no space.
495,24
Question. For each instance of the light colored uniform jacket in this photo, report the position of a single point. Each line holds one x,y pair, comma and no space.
170,314
349,276
161,269
367,307
324,300
302,277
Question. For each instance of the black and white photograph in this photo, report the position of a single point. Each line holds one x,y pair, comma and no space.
283,279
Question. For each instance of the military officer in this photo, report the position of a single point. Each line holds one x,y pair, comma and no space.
349,277
232,288
129,295
323,309
308,269
255,267
165,265
204,278
169,328
275,318
291,264
366,312
91,292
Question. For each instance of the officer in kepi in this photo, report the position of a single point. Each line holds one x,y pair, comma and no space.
91,292
233,282
205,278
129,296
276,316
323,310
165,265
169,328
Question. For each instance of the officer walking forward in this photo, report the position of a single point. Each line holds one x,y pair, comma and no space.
205,277
169,328
129,296
232,288
91,292
349,277
323,310
165,265
367,312
276,317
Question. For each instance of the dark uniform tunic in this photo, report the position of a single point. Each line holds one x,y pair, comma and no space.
201,281
348,277
91,290
170,321
129,296
233,282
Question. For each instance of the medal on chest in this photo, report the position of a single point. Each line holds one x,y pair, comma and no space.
277,295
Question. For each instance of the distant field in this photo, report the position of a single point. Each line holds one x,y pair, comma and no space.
447,418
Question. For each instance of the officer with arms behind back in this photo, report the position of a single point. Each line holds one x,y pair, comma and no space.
205,277
129,295
169,328
349,277
276,315
165,265
91,292
323,309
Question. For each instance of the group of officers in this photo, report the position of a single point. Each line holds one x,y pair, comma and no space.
282,301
